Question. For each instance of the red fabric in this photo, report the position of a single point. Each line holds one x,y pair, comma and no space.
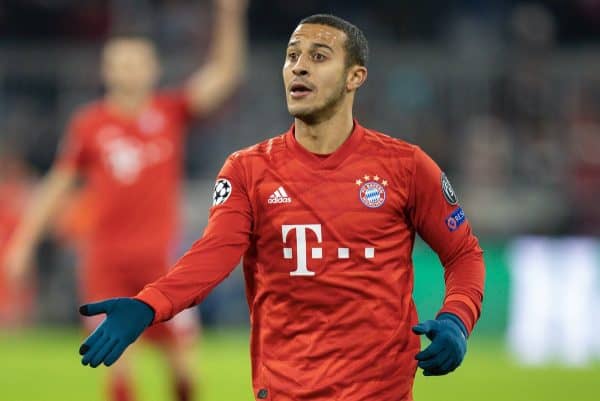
343,333
120,388
73,223
132,167
105,276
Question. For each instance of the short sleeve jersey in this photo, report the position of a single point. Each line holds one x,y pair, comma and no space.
132,167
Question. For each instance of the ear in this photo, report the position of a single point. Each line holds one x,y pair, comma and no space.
356,76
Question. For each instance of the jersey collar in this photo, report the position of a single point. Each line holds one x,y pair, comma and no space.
318,161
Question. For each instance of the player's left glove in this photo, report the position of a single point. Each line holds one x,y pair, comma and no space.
126,319
448,346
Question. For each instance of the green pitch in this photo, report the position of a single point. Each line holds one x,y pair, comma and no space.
43,365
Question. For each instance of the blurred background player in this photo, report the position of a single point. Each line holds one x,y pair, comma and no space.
128,147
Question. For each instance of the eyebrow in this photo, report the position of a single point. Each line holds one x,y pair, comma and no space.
295,42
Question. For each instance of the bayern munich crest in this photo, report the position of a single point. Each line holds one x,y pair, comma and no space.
372,191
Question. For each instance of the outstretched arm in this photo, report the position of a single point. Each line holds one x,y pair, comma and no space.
215,81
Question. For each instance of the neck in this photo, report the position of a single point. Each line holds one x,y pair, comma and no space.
326,136
127,103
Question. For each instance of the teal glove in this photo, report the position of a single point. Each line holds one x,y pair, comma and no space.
126,319
448,346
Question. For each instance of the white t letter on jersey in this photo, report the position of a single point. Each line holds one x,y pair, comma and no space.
302,268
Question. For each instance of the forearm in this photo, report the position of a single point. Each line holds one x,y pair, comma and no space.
228,49
464,277
215,81
43,207
206,264
210,259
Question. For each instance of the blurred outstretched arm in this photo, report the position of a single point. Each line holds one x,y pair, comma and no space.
52,192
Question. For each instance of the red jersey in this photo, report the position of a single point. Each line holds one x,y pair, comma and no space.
132,168
327,244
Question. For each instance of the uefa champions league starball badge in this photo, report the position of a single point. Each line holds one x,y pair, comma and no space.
371,190
221,192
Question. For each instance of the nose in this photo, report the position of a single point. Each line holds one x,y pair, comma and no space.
300,71
299,68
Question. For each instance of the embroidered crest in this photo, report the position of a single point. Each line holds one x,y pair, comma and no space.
372,193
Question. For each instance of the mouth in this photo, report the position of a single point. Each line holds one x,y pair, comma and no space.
299,90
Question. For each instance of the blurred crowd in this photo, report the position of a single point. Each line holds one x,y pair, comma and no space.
505,95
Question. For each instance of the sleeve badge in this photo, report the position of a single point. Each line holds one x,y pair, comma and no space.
222,191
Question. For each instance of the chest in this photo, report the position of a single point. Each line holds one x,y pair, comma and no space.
125,149
359,201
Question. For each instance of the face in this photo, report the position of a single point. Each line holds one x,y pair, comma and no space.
130,65
315,73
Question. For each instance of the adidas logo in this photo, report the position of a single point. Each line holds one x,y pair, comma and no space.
279,196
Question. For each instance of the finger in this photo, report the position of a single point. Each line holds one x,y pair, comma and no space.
431,351
103,352
423,328
96,308
436,362
431,373
91,340
115,353
94,349
449,365
435,371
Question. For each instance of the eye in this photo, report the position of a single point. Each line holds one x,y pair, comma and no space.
319,57
292,56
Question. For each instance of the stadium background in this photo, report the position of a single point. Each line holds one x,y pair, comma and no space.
505,95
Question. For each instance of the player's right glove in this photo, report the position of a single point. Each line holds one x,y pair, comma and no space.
126,319
448,346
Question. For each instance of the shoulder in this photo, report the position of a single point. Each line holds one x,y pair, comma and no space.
174,102
245,164
169,97
88,111
406,158
388,146
86,115
267,149
167,94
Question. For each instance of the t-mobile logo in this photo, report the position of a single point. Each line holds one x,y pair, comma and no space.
317,253
302,268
